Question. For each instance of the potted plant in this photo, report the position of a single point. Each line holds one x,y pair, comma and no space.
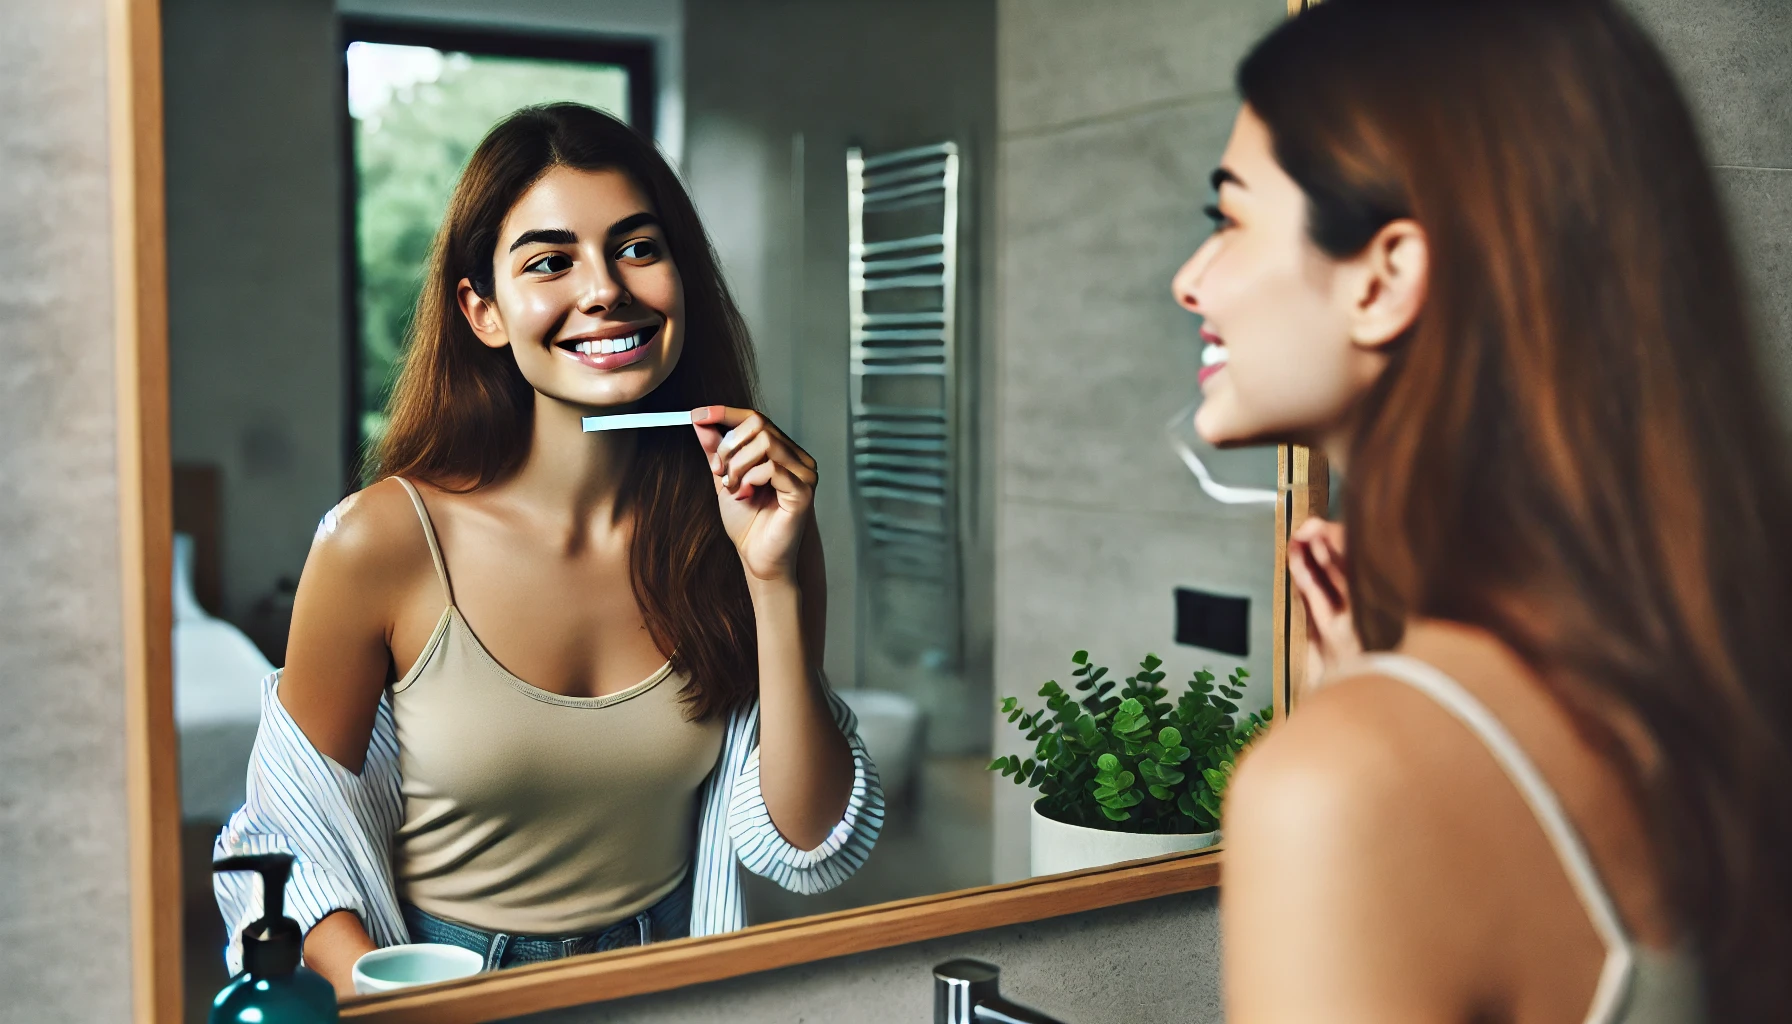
1124,773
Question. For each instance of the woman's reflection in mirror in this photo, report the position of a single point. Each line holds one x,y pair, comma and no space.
546,691
1474,253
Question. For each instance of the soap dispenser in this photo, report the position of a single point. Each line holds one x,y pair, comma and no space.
274,987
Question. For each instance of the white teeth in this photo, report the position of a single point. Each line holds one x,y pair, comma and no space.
1214,355
609,346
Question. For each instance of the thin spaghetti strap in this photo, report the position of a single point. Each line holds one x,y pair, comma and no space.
1562,835
429,534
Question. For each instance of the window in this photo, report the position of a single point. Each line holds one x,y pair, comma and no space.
419,101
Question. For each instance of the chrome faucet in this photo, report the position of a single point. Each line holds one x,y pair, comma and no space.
968,992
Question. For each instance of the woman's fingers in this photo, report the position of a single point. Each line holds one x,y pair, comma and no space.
1320,544
793,494
1328,571
1312,529
731,464
744,428
752,464
765,448
1319,569
1319,600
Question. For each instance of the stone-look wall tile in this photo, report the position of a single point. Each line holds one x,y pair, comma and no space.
1152,961
1065,60
257,353
1096,356
1732,59
64,915
1760,203
1102,580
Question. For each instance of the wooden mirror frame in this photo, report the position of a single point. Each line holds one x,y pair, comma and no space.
140,295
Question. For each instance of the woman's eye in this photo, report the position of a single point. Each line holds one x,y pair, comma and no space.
639,249
1220,221
551,263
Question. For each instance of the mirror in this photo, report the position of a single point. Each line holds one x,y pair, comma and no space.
1012,412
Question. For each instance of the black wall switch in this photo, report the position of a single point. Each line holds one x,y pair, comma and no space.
1214,621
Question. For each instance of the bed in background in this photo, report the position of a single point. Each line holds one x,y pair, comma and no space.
217,669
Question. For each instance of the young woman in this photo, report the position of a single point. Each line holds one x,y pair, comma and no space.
566,679
1473,253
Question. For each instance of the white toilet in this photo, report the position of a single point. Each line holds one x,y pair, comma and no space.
890,725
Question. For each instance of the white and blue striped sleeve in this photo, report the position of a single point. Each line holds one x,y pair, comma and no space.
763,851
337,825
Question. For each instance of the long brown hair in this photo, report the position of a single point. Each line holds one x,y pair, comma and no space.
461,414
1571,447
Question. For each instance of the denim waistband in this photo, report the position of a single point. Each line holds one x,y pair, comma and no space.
670,918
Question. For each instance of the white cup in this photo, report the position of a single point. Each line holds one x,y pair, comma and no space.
418,963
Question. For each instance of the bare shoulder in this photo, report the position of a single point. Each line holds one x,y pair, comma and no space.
1335,774
368,557
371,536
1340,829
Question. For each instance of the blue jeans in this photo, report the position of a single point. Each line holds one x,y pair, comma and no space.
670,918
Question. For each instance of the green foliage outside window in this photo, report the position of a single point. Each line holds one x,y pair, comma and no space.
410,145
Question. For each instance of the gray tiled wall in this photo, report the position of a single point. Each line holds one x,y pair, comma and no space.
257,354
1112,117
1734,59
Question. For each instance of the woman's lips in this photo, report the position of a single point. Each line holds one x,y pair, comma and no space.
1214,356
615,360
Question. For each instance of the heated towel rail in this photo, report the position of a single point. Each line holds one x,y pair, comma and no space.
904,258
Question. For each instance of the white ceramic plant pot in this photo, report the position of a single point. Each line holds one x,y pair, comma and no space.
1060,847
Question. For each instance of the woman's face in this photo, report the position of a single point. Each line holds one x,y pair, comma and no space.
1280,362
585,292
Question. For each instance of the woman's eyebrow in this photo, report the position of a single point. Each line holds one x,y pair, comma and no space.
550,236
1223,176
632,222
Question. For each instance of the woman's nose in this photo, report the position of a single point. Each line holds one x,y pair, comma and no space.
601,292
1183,285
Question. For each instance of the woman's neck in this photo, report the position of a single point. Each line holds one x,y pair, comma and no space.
567,468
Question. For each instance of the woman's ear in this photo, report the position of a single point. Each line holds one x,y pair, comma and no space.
482,315
1388,289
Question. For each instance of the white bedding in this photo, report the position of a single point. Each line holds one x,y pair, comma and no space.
217,699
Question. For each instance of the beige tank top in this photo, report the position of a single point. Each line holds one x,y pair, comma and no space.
533,813
1638,985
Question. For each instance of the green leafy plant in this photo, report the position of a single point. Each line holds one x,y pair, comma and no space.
1123,758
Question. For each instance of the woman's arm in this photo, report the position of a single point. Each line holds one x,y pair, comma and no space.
805,766
765,485
363,562
333,946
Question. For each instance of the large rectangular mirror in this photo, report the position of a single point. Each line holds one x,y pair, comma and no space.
955,281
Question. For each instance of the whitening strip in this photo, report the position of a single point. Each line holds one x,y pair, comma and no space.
636,421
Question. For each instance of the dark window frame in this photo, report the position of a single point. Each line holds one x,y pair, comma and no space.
635,56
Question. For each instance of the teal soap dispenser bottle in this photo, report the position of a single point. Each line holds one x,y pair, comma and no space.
274,987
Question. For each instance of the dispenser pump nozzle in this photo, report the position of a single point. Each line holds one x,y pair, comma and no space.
272,944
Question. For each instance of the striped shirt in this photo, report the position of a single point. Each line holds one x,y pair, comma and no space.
339,827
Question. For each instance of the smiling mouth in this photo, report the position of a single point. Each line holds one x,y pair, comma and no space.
610,346
1214,356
